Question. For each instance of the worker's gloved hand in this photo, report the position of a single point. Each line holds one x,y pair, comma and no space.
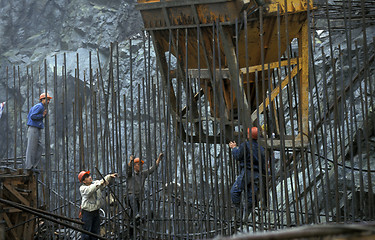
114,175
109,179
131,160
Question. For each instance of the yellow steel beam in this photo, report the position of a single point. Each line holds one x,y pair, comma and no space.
224,73
165,17
293,6
304,80
259,68
274,93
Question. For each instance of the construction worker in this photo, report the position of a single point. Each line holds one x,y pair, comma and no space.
242,154
35,125
136,178
92,200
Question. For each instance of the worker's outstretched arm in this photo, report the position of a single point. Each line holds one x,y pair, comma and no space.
107,179
237,152
152,169
129,169
98,184
159,158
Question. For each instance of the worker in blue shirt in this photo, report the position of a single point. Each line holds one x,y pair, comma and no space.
243,155
35,125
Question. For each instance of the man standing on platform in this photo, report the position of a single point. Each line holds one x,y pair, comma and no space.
35,125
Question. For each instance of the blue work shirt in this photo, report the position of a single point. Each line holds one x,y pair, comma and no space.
35,116
239,155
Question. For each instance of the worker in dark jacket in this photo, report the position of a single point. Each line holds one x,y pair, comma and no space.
35,125
243,155
136,178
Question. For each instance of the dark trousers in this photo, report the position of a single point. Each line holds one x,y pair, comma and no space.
135,203
91,222
240,185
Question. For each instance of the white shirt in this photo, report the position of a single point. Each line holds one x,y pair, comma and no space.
92,194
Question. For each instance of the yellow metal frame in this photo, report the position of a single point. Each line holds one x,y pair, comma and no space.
178,18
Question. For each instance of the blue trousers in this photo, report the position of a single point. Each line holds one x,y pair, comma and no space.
91,222
240,184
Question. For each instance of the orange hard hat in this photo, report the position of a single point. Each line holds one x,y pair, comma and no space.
81,174
43,95
138,160
254,133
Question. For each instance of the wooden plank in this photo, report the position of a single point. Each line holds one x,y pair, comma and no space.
11,210
13,187
224,73
33,187
28,229
16,194
9,224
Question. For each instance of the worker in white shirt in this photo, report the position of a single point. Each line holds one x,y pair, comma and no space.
91,193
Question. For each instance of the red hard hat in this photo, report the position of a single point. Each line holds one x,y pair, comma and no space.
43,95
81,174
137,160
254,132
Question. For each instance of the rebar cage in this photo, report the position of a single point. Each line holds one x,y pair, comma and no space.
155,95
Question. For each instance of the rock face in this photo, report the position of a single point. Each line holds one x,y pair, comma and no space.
38,30
31,30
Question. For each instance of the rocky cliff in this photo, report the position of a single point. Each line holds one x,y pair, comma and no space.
32,30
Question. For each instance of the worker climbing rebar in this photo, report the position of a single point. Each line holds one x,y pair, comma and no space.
246,176
136,178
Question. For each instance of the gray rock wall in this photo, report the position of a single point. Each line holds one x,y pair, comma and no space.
31,30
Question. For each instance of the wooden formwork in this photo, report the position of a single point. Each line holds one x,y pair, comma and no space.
228,63
19,187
